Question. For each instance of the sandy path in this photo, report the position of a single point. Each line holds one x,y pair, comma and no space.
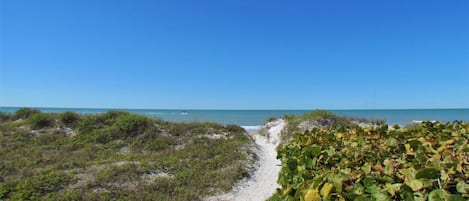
263,182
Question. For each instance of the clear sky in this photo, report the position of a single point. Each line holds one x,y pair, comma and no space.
235,54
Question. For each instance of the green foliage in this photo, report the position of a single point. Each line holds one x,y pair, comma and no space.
110,117
428,161
24,113
235,129
88,123
33,188
41,120
119,156
130,125
189,129
69,118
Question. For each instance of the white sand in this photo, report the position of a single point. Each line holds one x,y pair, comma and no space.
263,182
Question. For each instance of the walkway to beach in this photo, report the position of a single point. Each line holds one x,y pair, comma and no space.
263,182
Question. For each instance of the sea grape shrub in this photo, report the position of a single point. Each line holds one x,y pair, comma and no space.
69,118
428,161
24,113
130,125
41,120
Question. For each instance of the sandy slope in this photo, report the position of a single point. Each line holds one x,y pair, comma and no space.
263,182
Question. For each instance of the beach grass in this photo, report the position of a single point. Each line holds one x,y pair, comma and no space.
117,156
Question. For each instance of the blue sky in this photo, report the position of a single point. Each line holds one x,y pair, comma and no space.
235,54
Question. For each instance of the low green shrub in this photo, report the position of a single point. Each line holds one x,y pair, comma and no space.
33,188
129,125
69,118
235,128
87,124
110,117
24,113
41,120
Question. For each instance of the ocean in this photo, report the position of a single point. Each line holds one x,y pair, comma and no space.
258,117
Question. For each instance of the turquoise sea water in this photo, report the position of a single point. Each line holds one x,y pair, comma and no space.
258,117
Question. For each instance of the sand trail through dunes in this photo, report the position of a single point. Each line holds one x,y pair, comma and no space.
263,182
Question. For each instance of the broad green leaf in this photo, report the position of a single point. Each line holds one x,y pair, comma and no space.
388,167
337,180
366,168
415,184
428,173
438,195
462,187
406,193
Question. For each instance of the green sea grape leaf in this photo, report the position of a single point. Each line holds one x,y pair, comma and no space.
428,173
358,189
438,195
366,168
415,184
388,167
314,151
346,171
462,187
393,188
292,163
406,193
372,188
392,142
337,180
409,173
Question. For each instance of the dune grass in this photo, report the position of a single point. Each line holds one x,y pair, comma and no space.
116,156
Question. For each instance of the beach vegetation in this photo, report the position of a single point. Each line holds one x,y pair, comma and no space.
131,125
119,156
69,118
336,160
24,113
41,120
